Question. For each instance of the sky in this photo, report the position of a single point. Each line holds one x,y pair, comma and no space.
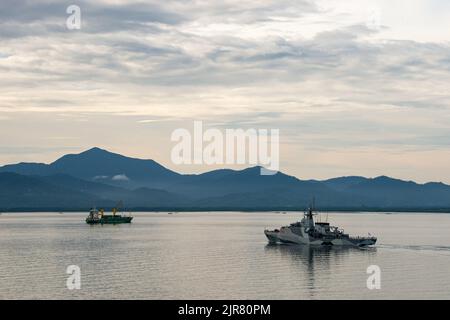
356,87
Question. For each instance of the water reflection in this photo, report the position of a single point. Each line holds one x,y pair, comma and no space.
312,262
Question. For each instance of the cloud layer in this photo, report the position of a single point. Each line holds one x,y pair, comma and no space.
338,80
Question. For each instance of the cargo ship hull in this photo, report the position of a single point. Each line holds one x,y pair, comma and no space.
109,220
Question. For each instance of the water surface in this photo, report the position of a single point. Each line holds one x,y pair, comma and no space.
220,256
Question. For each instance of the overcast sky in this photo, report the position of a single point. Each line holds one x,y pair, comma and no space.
357,87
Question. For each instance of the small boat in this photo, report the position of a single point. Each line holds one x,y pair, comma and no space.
99,217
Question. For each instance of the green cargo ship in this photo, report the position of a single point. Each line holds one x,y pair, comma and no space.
99,217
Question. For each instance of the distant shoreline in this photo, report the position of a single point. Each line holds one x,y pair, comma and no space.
234,209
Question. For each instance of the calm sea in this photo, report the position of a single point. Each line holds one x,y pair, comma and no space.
220,256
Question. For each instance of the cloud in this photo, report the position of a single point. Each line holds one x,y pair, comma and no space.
188,57
120,177
100,177
313,69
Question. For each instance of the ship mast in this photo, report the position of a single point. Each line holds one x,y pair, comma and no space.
311,208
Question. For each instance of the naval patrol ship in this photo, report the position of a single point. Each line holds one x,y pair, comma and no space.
309,232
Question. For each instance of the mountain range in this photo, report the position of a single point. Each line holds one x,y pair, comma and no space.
101,178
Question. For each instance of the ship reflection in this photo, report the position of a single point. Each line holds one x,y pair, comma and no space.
316,262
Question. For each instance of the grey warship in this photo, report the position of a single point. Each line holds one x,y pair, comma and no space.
309,232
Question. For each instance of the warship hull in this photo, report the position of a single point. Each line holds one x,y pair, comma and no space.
288,237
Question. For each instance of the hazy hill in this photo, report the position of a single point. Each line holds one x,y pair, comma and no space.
19,191
101,166
98,177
